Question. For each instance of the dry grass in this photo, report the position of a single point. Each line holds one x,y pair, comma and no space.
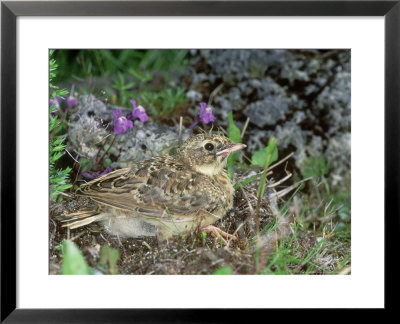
293,239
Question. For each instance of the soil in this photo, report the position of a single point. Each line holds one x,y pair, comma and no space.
184,254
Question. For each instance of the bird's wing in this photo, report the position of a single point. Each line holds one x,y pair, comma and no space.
157,189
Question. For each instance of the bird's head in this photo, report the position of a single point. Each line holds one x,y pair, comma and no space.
208,153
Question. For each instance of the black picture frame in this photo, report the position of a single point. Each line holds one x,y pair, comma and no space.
10,10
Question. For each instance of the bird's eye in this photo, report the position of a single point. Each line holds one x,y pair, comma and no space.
209,147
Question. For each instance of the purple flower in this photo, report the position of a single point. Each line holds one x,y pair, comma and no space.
204,115
121,123
88,175
107,170
137,112
95,175
196,121
70,101
55,102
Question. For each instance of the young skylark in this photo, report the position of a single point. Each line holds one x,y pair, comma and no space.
164,195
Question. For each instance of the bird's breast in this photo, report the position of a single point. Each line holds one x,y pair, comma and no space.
226,191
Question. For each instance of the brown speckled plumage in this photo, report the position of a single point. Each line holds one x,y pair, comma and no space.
164,195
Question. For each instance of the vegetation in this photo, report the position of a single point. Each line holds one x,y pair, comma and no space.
128,71
306,232
90,63
59,177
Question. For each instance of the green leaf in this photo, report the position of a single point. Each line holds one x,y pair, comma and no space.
234,135
315,167
66,171
233,130
267,154
56,180
231,161
85,164
344,213
73,260
128,86
270,155
59,148
55,157
57,141
63,187
107,162
109,258
227,270
340,227
246,181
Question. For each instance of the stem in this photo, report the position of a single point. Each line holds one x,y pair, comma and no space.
111,144
180,132
245,127
257,219
98,152
260,191
76,176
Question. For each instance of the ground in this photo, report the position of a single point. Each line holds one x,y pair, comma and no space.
288,243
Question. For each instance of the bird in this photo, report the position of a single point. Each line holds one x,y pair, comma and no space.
165,195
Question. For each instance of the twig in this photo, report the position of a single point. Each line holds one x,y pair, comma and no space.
147,245
248,159
248,202
280,181
345,271
256,218
112,142
283,192
273,165
77,236
76,176
223,130
71,156
260,193
245,127
280,162
102,146
64,194
240,184
101,269
213,93
253,214
107,136
180,131
119,241
234,233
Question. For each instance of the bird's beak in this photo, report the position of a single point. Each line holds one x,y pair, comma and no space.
235,147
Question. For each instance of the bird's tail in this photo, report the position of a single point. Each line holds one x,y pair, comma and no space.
80,218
